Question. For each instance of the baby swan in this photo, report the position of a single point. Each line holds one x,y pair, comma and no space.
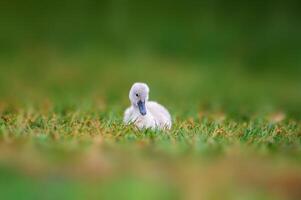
144,113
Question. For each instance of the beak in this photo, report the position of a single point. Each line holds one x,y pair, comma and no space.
141,106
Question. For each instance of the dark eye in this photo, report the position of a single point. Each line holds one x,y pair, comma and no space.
137,95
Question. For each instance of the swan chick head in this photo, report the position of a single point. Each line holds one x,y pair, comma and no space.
138,96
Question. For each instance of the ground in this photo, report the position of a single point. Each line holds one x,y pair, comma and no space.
236,133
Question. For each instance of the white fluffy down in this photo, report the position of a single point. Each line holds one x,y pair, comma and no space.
156,117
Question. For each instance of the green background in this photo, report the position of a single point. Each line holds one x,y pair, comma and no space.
228,71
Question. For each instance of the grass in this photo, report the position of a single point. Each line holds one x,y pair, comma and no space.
236,134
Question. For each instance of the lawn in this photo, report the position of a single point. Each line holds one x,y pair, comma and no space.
228,72
235,135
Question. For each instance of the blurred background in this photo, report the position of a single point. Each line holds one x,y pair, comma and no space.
216,50
235,59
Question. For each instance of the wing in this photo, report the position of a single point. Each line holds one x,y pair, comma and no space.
127,115
160,113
